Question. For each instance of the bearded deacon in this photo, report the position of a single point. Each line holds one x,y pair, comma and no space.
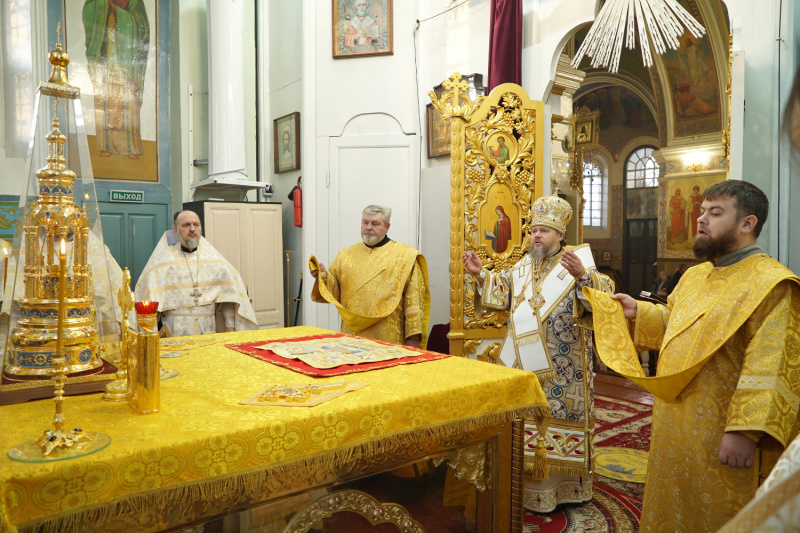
379,286
198,291
548,333
727,388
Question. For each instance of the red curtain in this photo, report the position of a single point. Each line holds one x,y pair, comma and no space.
505,43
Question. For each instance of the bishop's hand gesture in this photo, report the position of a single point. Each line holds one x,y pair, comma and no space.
472,263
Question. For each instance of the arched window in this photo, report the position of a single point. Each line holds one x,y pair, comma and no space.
593,192
642,169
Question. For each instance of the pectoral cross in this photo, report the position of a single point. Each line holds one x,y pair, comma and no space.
196,294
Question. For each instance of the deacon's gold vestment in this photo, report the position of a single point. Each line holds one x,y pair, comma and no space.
745,320
390,280
776,507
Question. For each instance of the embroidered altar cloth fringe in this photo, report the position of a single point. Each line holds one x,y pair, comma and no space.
203,445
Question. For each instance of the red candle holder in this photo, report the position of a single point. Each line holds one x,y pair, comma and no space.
146,315
146,308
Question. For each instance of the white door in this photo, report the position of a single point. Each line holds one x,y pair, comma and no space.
377,168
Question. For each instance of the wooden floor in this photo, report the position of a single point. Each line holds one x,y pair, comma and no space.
621,388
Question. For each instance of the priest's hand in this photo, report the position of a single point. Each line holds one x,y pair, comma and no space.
414,341
315,273
572,263
472,263
736,450
628,304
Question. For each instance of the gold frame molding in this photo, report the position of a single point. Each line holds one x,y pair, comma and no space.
357,502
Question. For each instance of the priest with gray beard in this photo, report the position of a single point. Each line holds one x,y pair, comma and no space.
549,333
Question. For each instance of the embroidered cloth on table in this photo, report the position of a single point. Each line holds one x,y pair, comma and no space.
187,343
344,363
301,395
203,447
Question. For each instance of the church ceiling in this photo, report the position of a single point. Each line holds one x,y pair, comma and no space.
684,90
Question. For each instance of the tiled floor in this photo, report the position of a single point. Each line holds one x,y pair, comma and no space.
619,387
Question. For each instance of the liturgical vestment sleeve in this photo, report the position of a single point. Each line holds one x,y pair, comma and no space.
766,396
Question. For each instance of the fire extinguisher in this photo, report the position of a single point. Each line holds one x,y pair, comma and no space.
296,196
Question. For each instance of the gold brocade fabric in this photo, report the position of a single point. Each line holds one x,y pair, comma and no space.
388,284
208,448
738,328
776,507
169,276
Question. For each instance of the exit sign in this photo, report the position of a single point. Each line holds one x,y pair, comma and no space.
127,196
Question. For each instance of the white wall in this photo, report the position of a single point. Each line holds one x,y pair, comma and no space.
456,41
281,54
769,68
356,91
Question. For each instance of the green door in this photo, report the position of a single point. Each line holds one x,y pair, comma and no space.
131,232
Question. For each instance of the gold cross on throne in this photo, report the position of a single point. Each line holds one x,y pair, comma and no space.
196,294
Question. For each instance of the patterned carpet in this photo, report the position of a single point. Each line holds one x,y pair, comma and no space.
616,505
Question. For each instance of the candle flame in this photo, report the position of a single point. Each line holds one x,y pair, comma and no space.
63,247
5,251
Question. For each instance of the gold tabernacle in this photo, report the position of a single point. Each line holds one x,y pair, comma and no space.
48,219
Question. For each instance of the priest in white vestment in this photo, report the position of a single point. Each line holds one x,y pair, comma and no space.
548,334
198,291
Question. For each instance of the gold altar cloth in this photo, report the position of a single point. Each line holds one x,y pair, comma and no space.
204,447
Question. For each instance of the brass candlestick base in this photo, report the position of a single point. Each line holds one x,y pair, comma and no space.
64,445
117,390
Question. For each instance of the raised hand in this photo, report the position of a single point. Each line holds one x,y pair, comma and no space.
471,262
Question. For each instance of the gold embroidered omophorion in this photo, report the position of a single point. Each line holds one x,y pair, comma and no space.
729,342
381,293
545,336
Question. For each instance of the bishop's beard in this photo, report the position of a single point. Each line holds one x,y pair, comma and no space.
539,254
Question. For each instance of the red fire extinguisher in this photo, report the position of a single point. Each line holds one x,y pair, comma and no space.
297,199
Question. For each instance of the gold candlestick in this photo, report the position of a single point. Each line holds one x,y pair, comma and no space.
62,444
117,390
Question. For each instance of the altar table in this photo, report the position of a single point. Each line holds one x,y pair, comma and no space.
204,455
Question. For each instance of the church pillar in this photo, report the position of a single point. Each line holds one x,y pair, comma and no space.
567,81
226,124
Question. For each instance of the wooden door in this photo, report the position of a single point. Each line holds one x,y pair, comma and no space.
641,241
131,232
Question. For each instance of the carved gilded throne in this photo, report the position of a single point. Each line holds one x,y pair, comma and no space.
496,172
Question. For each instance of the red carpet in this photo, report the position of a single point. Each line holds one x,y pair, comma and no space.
616,505
622,423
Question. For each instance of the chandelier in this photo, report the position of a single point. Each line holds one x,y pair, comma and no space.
663,20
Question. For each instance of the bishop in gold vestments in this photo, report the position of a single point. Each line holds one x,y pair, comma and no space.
379,286
547,334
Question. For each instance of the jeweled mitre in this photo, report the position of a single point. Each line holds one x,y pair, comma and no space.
551,211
